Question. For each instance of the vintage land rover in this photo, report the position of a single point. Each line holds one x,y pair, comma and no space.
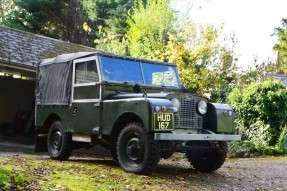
135,108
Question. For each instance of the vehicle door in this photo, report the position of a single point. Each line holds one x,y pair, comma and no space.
85,98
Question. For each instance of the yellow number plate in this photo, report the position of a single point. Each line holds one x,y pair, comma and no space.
163,121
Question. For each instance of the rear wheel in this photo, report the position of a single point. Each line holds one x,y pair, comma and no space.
211,160
59,142
137,151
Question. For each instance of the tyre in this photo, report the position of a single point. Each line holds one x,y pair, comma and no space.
211,160
137,151
59,142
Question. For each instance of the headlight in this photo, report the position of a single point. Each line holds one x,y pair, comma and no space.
201,107
156,108
175,104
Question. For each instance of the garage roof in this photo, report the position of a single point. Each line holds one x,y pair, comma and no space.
27,49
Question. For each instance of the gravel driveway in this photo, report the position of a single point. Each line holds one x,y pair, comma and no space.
268,173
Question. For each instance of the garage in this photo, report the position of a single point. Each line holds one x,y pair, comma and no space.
20,53
16,103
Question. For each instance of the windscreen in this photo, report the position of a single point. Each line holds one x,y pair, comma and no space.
121,70
160,75
155,74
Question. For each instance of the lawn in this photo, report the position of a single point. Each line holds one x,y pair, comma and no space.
42,173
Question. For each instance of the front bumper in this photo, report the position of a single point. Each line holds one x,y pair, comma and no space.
175,136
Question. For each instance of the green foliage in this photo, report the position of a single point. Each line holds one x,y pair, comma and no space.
111,14
4,179
146,35
205,62
11,181
149,26
5,8
259,72
110,32
62,19
282,143
261,110
70,20
239,149
281,46
246,146
9,15
110,42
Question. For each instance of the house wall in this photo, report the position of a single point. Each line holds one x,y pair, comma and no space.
15,95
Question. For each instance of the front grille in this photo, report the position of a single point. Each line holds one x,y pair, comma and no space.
187,116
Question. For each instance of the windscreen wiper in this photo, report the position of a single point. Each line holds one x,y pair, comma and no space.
164,86
130,82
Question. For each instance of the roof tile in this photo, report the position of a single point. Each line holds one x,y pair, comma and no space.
28,49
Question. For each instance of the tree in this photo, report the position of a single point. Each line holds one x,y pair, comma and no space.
149,25
146,34
71,20
108,13
205,63
281,46
111,23
111,42
62,19
258,73
6,7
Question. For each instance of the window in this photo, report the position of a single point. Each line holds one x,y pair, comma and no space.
160,75
121,70
86,72
153,74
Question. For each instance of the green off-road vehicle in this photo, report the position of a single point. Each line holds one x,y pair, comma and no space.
135,108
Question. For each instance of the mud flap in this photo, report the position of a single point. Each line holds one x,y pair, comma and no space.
40,142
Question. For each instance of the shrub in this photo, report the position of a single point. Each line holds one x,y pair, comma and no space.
261,110
11,181
248,148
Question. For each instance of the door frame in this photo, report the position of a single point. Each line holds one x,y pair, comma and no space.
96,58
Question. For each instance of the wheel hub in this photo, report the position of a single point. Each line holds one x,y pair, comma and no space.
57,140
135,149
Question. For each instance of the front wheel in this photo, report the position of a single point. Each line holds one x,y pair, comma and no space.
137,151
59,142
211,160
